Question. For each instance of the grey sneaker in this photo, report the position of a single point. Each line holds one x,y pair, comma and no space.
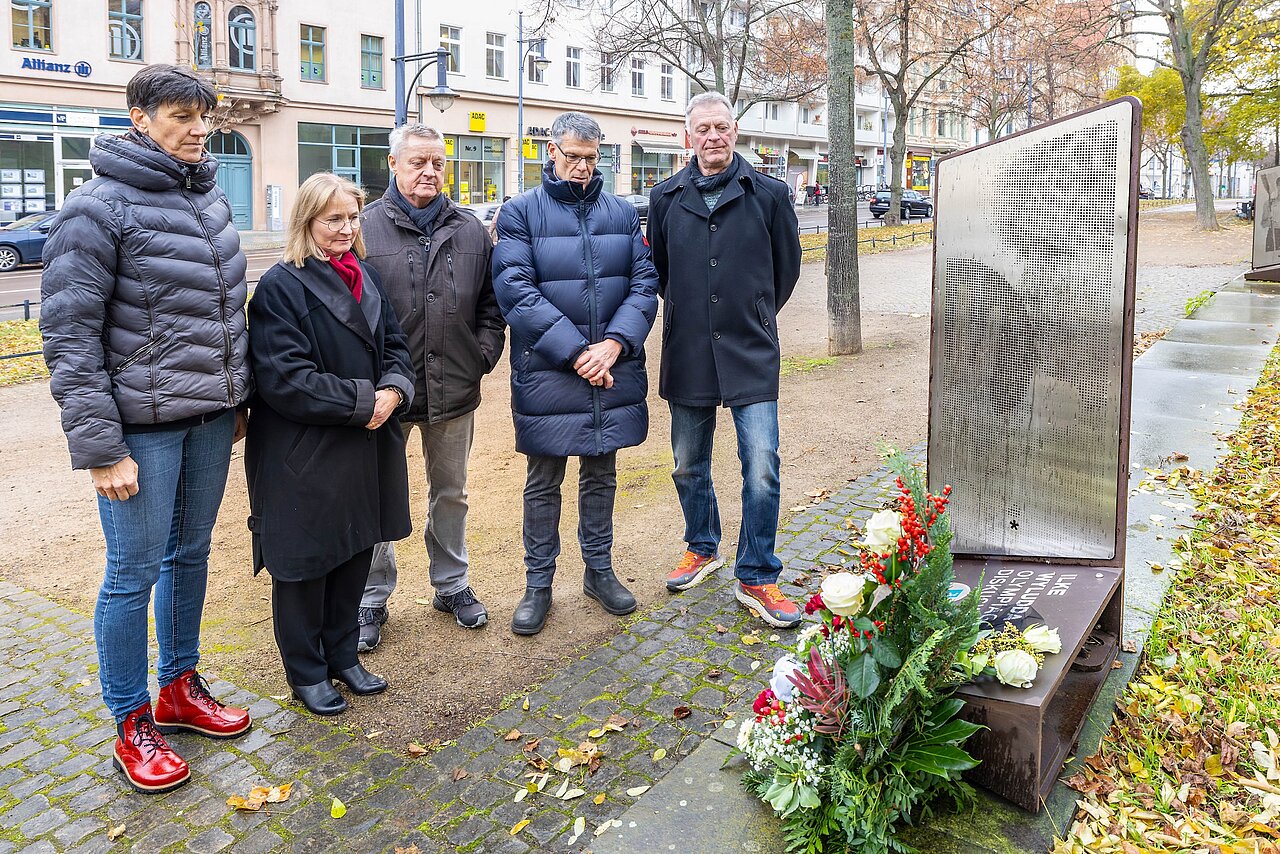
464,606
371,621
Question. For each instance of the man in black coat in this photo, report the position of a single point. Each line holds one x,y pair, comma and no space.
433,259
726,244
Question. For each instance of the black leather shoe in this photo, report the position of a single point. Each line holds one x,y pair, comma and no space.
604,587
531,612
359,680
320,699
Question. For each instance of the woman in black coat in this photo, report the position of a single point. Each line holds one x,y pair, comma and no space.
324,456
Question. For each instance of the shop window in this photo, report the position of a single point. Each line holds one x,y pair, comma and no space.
475,170
606,72
124,27
357,153
573,67
668,81
242,35
451,40
495,55
76,147
637,77
312,45
32,24
371,62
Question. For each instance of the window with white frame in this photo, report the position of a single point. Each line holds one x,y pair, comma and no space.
32,24
451,40
312,49
573,67
535,73
942,124
772,112
637,76
242,37
668,82
124,27
737,17
495,55
606,72
371,62
804,115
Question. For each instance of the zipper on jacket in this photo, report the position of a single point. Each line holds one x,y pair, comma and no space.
222,301
593,310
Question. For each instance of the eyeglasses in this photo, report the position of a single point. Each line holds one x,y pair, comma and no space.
575,159
336,224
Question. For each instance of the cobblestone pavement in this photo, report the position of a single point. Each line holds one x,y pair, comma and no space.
672,673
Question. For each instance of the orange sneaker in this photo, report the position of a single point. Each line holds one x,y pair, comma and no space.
769,603
692,570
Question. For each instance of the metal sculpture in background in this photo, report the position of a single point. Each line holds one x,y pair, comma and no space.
1266,226
1029,413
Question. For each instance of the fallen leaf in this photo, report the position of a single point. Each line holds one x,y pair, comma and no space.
720,629
681,712
659,754
116,832
715,673
564,787
579,825
337,809
1129,645
750,639
572,794
374,734
530,746
519,826
522,794
422,600
412,849
598,732
459,773
637,791
615,723
279,794
755,665
525,704
416,749
598,799
514,735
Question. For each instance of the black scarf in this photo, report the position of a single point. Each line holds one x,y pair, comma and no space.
424,218
711,183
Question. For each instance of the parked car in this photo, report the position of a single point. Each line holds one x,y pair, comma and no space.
913,205
483,212
640,203
22,241
1145,192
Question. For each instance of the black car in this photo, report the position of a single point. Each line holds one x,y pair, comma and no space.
913,205
22,242
640,203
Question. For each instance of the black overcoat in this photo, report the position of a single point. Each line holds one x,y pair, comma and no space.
322,488
723,276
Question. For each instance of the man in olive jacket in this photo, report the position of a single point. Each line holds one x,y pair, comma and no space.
727,248
434,262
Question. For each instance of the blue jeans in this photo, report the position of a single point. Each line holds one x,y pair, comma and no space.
692,431
597,485
159,538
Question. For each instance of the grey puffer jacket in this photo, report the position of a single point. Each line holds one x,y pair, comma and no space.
142,299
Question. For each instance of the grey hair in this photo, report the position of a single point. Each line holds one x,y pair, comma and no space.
706,99
580,126
418,129
159,84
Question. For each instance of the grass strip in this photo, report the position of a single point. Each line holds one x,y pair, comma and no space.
1192,760
871,241
20,336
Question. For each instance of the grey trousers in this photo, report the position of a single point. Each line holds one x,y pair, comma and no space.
597,486
446,448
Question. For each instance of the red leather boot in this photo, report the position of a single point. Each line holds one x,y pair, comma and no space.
145,758
185,703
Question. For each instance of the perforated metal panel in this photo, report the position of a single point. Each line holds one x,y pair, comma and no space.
1266,218
1029,337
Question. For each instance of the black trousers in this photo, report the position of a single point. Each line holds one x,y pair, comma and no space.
316,620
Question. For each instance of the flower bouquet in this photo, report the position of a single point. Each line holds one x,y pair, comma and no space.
859,732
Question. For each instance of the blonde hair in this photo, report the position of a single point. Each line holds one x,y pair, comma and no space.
314,196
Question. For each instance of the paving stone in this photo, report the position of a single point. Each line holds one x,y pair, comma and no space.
73,832
260,841
211,841
43,823
24,810
467,831
157,838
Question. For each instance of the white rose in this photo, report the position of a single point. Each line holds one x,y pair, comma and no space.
843,593
807,635
781,686
1043,639
744,733
883,530
1016,667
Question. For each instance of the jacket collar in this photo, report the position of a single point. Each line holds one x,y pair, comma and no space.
143,165
691,200
571,192
451,219
321,279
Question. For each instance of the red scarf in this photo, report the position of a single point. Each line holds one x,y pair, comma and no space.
347,266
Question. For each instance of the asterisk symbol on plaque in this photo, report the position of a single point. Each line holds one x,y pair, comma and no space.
1014,524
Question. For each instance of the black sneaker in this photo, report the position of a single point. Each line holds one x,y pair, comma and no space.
371,621
464,606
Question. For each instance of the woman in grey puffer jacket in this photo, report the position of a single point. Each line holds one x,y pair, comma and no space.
142,311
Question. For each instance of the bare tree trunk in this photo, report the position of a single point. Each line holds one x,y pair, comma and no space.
897,160
1198,156
844,301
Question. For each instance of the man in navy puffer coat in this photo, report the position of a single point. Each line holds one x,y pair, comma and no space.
575,283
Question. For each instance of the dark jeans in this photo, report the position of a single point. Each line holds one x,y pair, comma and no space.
316,620
692,431
597,484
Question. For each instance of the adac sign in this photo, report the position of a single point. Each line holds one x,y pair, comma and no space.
79,69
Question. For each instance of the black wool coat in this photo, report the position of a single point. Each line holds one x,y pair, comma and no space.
723,276
322,488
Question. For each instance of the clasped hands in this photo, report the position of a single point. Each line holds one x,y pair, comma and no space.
593,363
384,404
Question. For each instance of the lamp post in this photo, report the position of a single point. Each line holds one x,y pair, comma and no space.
540,62
442,97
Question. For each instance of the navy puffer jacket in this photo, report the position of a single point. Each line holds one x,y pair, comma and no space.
142,299
571,269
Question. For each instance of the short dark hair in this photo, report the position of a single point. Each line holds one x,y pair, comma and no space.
159,84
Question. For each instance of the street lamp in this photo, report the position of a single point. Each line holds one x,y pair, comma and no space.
525,46
442,97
